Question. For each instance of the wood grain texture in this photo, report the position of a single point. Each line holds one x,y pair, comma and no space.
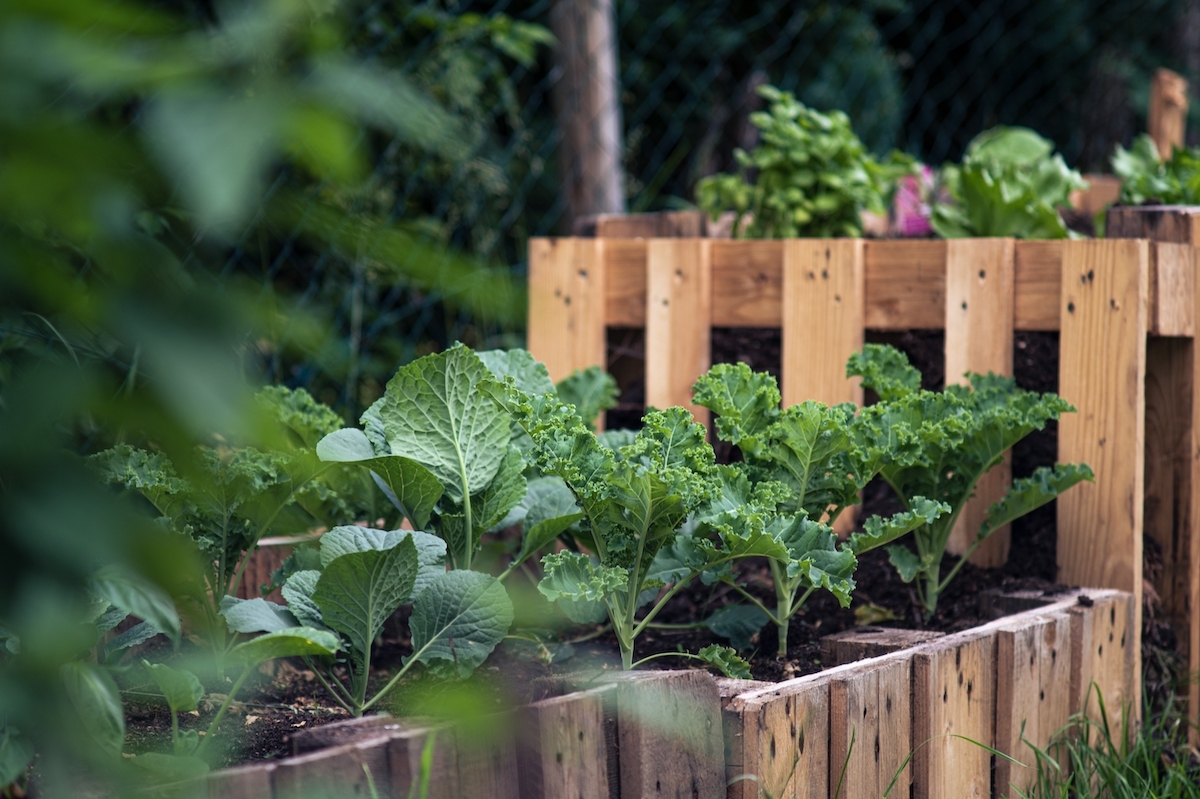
1177,224
567,298
905,284
860,643
1104,648
1037,284
979,338
870,730
1102,371
244,782
954,685
823,302
1172,289
747,283
487,760
405,751
670,734
352,770
1031,705
1102,191
661,224
785,734
563,748
678,321
625,282
733,734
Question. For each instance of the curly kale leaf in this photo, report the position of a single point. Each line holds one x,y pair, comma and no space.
592,391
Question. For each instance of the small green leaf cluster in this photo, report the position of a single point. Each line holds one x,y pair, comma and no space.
813,176
1008,184
806,464
952,438
1147,178
365,575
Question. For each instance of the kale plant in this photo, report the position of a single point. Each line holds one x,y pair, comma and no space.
230,496
364,576
1147,178
807,464
813,176
958,435
1007,185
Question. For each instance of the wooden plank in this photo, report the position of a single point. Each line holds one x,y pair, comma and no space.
1030,703
661,224
355,769
785,741
731,689
678,321
1176,224
1037,285
669,734
244,782
486,756
1102,371
1172,288
979,338
1192,600
861,643
563,749
954,685
747,283
870,730
1102,191
1166,121
905,284
625,282
1104,644
567,299
823,296
406,750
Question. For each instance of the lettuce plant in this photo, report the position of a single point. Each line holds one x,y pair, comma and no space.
365,575
808,463
957,435
1007,185
636,499
813,176
1146,177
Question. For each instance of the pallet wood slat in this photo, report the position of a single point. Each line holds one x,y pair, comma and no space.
905,284
355,769
785,740
406,750
1172,287
870,730
1166,121
243,782
563,746
1102,369
979,338
1104,654
747,283
954,701
678,320
567,301
487,762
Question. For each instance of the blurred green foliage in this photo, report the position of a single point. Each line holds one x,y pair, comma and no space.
1146,178
137,145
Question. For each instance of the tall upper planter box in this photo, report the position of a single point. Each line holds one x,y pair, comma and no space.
1123,309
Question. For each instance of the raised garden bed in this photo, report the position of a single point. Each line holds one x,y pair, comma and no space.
847,730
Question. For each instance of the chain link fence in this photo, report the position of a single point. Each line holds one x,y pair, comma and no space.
572,107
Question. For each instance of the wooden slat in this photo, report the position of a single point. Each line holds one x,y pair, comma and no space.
670,736
1104,647
822,319
678,321
405,753
567,299
355,769
734,736
785,741
1102,371
747,283
1172,287
625,282
1037,285
563,747
1166,121
1192,548
487,760
1177,224
905,284
244,782
1102,191
954,684
860,643
870,730
662,224
979,338
1031,704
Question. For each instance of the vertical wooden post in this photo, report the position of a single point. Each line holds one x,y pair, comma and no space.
566,304
785,739
1102,371
1167,120
823,307
589,112
678,320
979,338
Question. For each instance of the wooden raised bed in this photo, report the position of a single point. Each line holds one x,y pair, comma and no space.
1123,310
685,734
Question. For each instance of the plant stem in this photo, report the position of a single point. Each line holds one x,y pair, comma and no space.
666,655
783,607
212,728
344,701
